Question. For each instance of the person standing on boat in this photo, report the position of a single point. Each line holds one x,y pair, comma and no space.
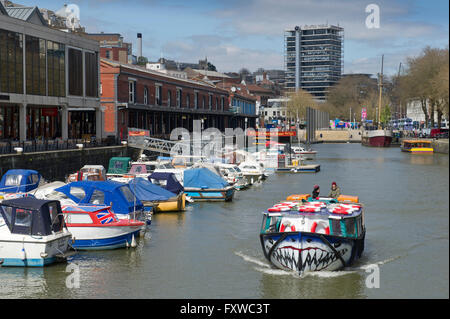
335,191
316,191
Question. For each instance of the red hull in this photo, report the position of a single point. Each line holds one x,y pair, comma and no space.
380,141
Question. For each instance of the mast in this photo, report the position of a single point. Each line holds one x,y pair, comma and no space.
380,90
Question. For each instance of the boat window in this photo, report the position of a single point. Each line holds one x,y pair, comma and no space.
7,212
23,217
77,192
97,198
55,217
34,178
237,169
127,193
13,180
118,164
150,168
78,218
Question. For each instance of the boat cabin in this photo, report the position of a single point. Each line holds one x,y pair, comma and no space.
89,173
167,181
119,165
20,180
417,146
31,216
117,195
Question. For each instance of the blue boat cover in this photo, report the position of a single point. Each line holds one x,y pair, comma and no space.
19,180
146,191
203,178
172,184
117,195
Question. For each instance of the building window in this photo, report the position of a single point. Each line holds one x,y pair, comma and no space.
210,102
108,54
217,103
91,78
158,94
75,72
35,49
179,97
196,100
132,91
188,100
56,73
169,98
222,103
11,62
204,102
146,95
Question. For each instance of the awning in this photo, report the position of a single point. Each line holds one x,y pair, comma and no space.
81,109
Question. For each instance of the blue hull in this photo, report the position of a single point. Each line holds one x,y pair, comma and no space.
32,262
207,195
105,243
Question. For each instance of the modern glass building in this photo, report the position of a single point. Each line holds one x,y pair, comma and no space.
49,80
313,58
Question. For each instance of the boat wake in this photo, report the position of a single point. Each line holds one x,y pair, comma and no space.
266,268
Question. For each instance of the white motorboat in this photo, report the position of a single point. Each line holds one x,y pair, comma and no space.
32,233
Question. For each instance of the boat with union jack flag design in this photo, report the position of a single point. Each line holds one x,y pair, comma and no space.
97,227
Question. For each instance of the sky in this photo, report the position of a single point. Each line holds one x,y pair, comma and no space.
234,34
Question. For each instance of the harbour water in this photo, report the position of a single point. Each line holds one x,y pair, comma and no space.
213,251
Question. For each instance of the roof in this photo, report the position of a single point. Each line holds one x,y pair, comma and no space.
2,9
27,203
152,72
106,186
211,73
26,14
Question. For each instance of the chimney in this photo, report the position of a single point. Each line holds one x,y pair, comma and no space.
264,76
139,48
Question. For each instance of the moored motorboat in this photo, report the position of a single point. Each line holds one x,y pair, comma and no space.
313,234
160,199
203,185
32,233
97,227
20,181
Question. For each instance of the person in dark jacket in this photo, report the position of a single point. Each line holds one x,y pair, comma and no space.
335,191
316,191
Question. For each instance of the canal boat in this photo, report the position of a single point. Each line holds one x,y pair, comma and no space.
88,173
96,227
20,180
203,185
32,233
307,234
377,138
417,146
117,195
160,199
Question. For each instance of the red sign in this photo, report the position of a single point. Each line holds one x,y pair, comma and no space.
137,133
269,133
49,111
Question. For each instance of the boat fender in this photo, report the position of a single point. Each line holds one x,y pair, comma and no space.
285,228
314,227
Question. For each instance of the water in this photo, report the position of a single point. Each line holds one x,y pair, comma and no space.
213,251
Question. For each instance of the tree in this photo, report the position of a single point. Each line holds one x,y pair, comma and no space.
211,67
142,60
425,80
298,102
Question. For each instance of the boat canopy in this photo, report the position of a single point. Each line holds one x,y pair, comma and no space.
117,195
171,182
119,165
19,180
31,216
203,178
146,191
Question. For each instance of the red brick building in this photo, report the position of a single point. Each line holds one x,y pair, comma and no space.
132,96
